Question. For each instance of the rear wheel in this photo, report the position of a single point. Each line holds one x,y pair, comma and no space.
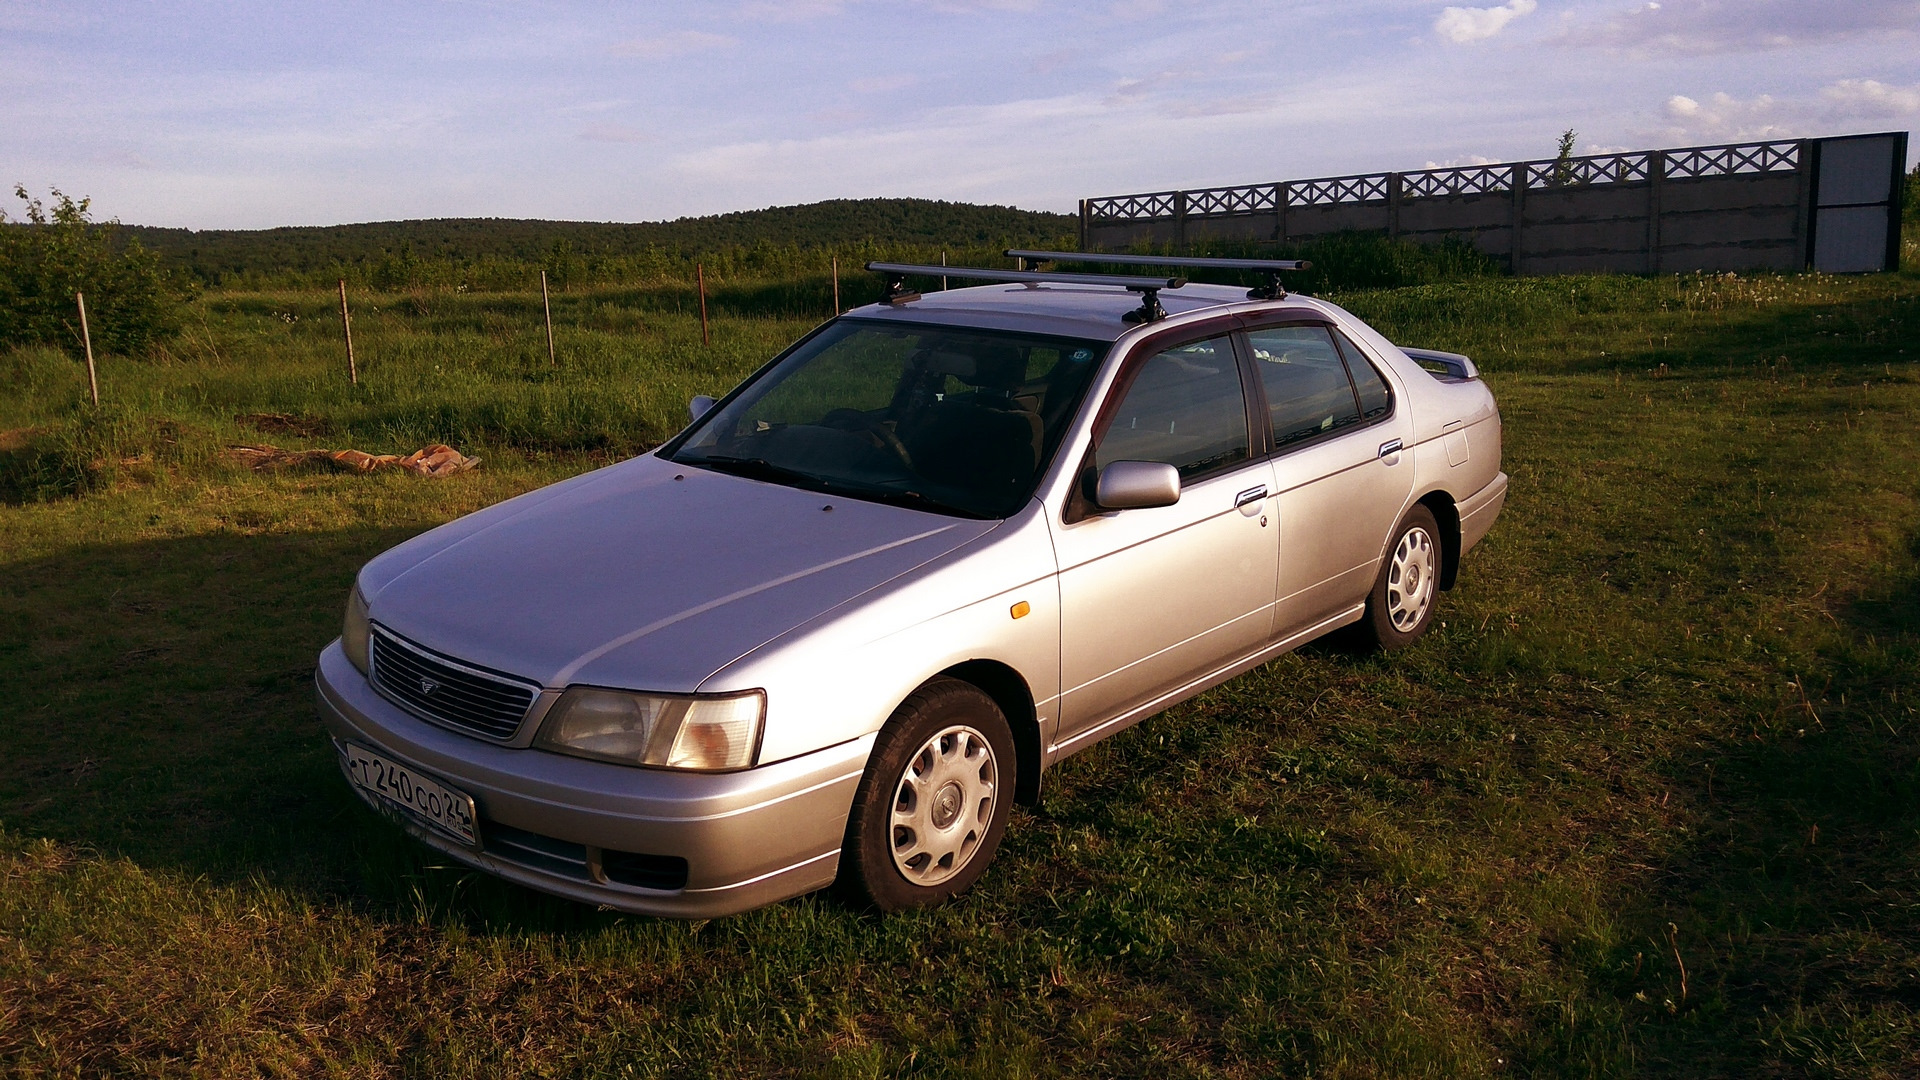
930,811
1400,607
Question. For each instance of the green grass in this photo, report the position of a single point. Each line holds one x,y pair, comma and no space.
1669,718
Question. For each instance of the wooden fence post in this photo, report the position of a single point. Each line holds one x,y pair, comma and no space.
836,284
86,339
547,306
700,279
346,328
943,277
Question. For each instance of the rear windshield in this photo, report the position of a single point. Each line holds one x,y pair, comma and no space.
949,419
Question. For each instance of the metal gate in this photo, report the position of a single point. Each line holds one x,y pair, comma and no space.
1857,182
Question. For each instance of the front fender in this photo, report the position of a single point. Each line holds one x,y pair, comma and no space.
841,675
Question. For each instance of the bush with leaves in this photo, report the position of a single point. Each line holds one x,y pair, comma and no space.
132,302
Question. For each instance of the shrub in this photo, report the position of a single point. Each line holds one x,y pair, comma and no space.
1341,261
131,301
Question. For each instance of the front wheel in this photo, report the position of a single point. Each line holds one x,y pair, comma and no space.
1400,607
933,804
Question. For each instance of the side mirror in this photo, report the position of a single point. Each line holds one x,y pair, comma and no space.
698,407
1137,485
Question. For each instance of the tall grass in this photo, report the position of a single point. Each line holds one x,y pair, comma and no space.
471,368
465,369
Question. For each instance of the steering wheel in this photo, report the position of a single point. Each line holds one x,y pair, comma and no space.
855,420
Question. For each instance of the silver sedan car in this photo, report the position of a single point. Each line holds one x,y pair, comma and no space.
836,627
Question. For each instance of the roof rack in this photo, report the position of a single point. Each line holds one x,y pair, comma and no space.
1272,290
1149,287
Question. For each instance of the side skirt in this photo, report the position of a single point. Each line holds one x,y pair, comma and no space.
1062,750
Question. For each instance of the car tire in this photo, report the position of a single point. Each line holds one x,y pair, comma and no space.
934,802
1400,607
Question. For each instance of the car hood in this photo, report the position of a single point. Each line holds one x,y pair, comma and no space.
646,575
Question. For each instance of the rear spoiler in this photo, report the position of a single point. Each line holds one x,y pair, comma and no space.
1445,366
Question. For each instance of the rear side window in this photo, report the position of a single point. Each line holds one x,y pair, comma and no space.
1308,394
1185,408
1376,400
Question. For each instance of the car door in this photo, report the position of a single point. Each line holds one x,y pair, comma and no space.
1341,478
1155,599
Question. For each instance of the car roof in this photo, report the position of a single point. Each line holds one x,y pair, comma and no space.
1066,310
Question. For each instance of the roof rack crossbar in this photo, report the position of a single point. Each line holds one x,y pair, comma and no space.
1160,260
1272,290
1149,287
1031,277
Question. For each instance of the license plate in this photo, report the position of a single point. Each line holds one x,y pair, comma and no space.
447,809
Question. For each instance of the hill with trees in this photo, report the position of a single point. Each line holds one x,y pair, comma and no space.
436,250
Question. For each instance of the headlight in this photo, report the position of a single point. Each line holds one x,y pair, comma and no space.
353,636
675,731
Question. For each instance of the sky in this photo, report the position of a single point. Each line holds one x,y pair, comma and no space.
251,115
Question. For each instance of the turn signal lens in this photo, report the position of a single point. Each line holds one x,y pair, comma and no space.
353,635
718,733
706,733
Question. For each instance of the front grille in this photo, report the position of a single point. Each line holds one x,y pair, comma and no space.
447,692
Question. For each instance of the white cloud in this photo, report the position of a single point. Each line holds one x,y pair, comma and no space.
614,133
1725,118
1868,98
1841,107
1464,25
1465,159
1228,106
881,84
678,43
1705,27
792,11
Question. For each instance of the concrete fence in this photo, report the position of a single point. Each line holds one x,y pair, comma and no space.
1831,204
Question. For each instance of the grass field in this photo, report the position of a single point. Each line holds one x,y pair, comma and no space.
1644,803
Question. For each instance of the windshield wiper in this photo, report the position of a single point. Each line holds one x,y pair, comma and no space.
917,501
759,468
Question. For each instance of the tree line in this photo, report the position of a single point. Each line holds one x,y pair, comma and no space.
483,253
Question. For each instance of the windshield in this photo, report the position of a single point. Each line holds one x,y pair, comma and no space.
949,419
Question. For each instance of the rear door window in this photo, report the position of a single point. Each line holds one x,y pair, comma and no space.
1376,400
1308,392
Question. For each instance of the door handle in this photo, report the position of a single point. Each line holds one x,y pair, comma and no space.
1390,447
1252,494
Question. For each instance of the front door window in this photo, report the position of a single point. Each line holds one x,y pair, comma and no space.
1185,408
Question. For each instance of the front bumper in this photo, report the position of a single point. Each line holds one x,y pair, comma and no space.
749,838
